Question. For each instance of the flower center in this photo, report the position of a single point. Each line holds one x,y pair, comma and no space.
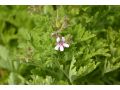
61,43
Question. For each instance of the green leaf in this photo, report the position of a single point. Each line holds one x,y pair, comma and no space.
72,70
84,70
87,35
3,53
111,66
24,34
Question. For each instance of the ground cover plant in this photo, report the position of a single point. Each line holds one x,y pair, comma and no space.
60,45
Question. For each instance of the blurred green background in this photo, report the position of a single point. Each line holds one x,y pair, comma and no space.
27,54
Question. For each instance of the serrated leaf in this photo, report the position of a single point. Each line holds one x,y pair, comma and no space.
72,70
3,52
24,34
111,66
84,70
87,36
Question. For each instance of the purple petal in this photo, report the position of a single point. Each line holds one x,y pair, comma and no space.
58,39
63,39
65,45
61,48
57,47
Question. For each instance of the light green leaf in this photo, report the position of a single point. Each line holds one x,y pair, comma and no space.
3,52
84,70
72,70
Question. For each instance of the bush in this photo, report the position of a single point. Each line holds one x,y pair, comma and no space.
28,38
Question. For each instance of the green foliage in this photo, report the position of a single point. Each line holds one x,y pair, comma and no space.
28,38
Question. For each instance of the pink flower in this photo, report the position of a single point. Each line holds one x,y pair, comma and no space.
61,44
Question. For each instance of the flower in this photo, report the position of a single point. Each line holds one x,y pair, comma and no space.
61,44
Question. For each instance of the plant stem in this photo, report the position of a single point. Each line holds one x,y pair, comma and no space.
64,73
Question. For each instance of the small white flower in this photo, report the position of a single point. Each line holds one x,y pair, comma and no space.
61,44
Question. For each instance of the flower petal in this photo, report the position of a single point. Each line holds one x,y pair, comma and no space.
61,48
58,39
57,47
63,39
65,45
